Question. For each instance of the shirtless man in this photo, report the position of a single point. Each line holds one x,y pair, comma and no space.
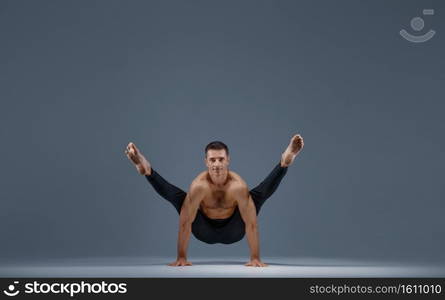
219,208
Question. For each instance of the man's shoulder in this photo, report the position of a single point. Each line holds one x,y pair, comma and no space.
200,181
236,177
237,180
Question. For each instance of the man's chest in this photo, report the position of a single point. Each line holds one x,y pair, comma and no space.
218,199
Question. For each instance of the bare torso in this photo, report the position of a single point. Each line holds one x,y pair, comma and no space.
218,203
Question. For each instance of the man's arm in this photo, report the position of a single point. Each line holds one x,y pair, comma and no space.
248,214
188,213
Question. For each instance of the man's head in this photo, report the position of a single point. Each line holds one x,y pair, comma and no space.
217,157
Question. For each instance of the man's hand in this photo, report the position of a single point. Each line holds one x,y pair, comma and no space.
180,262
255,263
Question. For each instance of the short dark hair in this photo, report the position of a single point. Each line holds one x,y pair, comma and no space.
216,145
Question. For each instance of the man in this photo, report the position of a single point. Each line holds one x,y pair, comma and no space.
218,208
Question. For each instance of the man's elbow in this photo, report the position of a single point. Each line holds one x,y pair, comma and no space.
185,224
252,226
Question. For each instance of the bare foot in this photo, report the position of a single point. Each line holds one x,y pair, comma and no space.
142,165
295,146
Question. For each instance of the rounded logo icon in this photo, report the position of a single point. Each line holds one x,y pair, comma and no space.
417,24
10,291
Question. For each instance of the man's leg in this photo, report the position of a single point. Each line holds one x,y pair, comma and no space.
166,190
269,185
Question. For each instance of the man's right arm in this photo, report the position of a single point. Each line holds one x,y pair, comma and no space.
188,213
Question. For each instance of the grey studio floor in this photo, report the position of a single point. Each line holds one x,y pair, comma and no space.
221,267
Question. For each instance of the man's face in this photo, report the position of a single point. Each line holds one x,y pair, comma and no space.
217,161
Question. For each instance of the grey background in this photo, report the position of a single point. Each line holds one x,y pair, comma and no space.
80,79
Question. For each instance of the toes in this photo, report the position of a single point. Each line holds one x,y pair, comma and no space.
128,154
297,137
130,146
135,149
129,149
297,143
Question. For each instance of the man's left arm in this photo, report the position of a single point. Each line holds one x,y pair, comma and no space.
248,214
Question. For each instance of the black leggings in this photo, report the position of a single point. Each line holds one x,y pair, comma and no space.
225,231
